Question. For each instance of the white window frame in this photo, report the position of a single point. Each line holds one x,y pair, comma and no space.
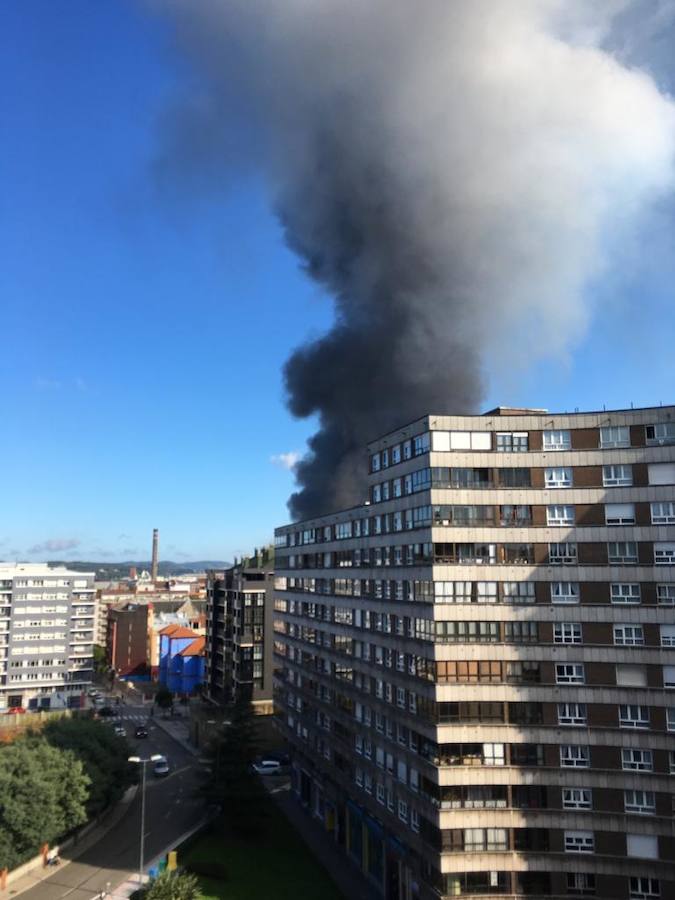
558,557
667,635
661,433
637,759
665,594
619,514
556,439
558,477
669,677
642,887
664,553
625,593
577,798
567,633
622,553
612,436
575,756
572,714
560,516
579,842
633,715
617,475
628,635
570,673
565,592
639,801
662,512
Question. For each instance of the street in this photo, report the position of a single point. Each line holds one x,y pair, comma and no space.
173,806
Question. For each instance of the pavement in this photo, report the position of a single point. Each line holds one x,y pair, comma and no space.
107,860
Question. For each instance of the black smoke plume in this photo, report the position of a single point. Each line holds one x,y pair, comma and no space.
453,174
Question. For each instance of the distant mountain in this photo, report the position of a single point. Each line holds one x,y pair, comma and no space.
109,571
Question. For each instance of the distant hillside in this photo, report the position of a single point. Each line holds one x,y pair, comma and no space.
107,571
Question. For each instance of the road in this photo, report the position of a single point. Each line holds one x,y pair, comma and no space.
173,806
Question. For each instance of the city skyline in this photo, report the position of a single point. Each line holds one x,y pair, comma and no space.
143,312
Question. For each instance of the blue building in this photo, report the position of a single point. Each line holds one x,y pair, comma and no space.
181,659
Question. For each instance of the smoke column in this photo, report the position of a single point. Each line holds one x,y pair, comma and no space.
455,175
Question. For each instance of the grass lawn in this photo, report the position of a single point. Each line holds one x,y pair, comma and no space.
276,863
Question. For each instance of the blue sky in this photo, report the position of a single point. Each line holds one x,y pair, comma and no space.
145,329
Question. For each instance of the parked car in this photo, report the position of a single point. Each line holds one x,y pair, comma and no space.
120,731
161,767
267,767
106,712
141,731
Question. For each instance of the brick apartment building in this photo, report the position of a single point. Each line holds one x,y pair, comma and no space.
476,668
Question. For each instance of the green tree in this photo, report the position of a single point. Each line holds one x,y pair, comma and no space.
43,796
100,659
231,781
102,753
173,886
164,698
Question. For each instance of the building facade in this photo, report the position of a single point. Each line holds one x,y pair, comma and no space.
128,639
239,632
47,622
181,660
476,668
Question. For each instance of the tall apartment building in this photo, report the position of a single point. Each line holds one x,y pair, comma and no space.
239,632
47,620
476,668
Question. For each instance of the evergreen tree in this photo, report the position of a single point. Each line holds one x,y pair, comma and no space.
173,886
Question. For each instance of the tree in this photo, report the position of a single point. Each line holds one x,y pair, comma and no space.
102,753
100,659
164,698
43,796
232,782
173,886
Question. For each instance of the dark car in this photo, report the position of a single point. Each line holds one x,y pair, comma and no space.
106,712
141,731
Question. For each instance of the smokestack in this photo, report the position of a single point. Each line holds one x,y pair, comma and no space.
155,552
456,176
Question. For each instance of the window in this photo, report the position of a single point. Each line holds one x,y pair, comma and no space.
645,846
629,635
670,718
558,477
581,884
514,478
668,635
557,440
631,716
375,462
571,714
569,673
634,760
515,515
662,433
669,676
564,592
661,473
403,810
622,552
579,842
518,592
574,756
566,633
664,553
631,676
620,513
624,593
562,554
642,888
560,515
577,798
642,802
617,476
615,436
396,454
665,594
512,442
663,513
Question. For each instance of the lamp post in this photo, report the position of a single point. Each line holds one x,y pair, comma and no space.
142,763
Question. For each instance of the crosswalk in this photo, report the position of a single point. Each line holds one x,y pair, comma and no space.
129,717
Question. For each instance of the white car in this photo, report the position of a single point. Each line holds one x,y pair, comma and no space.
161,767
120,731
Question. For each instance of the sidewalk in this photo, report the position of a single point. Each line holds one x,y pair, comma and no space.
178,729
74,847
344,872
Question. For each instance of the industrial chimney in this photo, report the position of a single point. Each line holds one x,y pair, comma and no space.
155,553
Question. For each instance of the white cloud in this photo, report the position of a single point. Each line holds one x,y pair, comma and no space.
286,460
55,545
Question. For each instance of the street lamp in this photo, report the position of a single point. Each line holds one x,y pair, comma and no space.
142,763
